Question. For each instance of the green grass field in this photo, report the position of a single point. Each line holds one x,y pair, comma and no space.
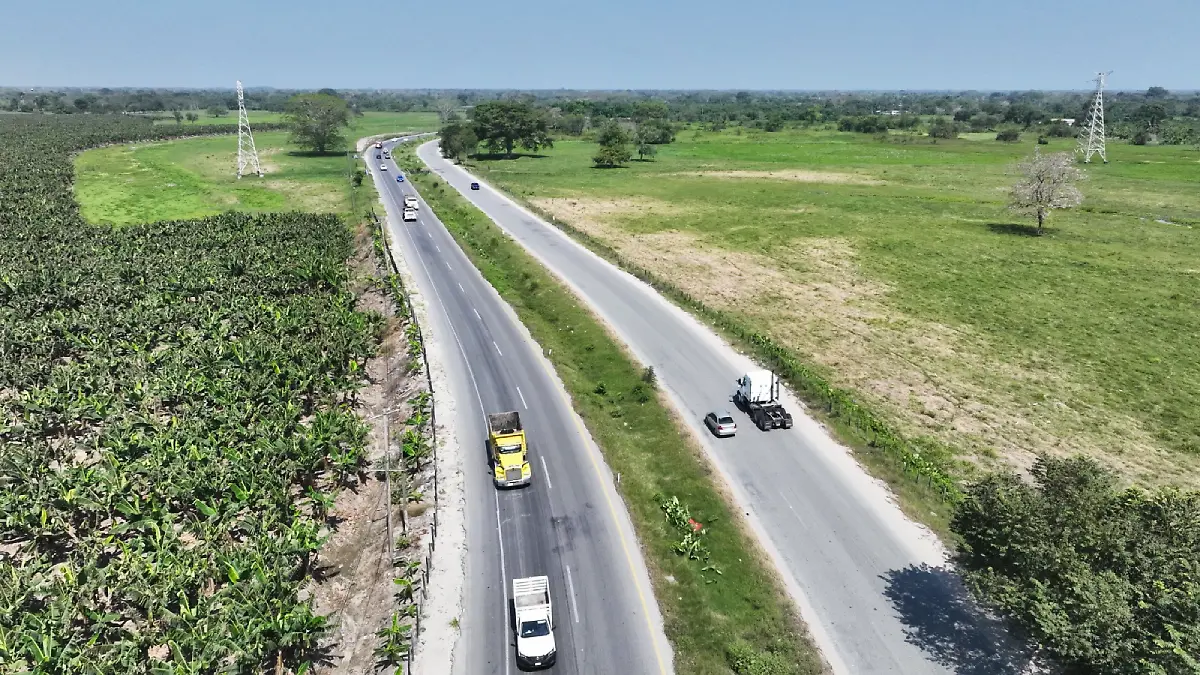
895,269
196,177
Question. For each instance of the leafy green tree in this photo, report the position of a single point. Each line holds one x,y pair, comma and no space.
316,121
1157,92
614,146
645,150
192,117
502,125
1152,114
1009,136
81,104
458,140
943,129
178,117
1105,579
218,111
657,131
647,110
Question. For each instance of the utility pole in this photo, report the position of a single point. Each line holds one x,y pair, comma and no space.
1091,138
247,153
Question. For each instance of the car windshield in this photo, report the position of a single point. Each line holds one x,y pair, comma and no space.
725,420
509,449
534,629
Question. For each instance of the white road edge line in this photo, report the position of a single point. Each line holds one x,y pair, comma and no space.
571,595
793,509
546,471
497,348
503,573
522,398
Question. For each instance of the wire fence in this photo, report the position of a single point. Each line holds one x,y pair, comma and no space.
401,295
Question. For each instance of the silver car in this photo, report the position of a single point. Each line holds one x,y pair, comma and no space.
720,423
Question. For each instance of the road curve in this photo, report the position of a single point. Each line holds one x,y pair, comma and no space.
873,587
570,523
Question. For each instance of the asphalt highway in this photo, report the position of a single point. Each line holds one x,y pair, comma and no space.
569,524
872,586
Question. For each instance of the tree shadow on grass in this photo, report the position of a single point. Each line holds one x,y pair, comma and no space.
493,156
314,153
609,166
941,617
1017,229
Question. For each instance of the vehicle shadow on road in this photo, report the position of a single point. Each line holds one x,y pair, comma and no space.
942,618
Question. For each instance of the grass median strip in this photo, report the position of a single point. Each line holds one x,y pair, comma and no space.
723,607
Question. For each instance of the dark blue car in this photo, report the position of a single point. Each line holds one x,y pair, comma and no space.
400,178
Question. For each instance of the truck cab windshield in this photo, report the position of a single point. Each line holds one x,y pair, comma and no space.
509,449
534,629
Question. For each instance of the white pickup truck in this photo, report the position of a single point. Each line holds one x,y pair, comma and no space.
535,622
410,202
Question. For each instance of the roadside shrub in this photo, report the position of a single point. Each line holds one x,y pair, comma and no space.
649,376
1141,138
1009,136
1042,140
866,124
744,659
1060,130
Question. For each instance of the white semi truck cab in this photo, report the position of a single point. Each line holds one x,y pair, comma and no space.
535,622
758,395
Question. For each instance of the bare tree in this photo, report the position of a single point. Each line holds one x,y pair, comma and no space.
1047,182
444,107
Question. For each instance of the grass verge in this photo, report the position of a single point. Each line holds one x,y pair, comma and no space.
723,607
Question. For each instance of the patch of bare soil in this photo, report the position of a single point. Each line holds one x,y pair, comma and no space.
797,175
357,590
931,379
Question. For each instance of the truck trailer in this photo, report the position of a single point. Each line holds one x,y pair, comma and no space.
534,622
758,395
509,453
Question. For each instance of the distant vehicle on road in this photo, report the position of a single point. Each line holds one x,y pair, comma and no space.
410,202
387,155
378,144
535,622
506,445
400,178
758,395
410,215
383,167
378,156
720,423
474,186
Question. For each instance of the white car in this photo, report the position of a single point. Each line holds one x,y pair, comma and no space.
410,202
383,167
410,215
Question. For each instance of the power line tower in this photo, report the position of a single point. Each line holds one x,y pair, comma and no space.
1091,138
247,153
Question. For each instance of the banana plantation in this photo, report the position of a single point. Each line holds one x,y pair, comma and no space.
175,419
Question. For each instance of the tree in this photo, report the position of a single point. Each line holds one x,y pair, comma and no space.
1048,182
316,121
943,129
657,131
1103,578
1157,92
218,111
1009,136
1151,114
81,104
178,117
502,125
614,146
458,139
645,150
445,108
192,117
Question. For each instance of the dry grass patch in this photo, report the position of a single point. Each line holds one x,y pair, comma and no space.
797,175
932,379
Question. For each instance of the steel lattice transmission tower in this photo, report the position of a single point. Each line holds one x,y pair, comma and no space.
1091,137
247,153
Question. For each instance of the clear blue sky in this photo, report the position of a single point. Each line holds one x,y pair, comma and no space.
605,44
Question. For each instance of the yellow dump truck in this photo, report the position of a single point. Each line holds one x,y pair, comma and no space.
510,457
